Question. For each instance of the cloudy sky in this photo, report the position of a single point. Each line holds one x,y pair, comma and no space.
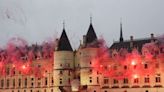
39,20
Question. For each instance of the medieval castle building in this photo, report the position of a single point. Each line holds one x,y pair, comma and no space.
73,71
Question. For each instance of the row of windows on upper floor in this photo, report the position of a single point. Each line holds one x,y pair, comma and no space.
19,82
32,90
126,80
135,80
41,82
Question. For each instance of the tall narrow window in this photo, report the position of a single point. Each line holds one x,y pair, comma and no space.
147,79
8,71
136,80
145,66
46,81
125,81
19,82
90,79
106,80
8,81
158,78
115,81
25,82
52,81
13,82
2,83
60,81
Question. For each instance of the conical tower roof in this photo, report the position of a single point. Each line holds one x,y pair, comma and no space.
64,43
91,35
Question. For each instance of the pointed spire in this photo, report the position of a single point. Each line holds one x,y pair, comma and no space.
63,25
121,34
91,35
64,43
90,19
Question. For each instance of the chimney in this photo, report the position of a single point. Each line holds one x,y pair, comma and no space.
131,42
56,43
152,37
84,40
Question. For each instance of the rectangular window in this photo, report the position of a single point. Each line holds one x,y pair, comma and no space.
90,79
115,81
25,82
69,73
19,82
145,66
8,71
125,67
158,78
136,80
60,81
2,83
106,80
147,80
13,82
97,79
125,80
8,83
52,81
60,72
69,80
46,81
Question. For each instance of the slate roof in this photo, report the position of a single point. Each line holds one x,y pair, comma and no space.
64,43
91,35
138,43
